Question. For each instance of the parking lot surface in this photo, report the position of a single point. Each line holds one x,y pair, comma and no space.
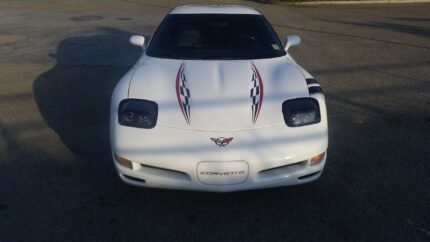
59,61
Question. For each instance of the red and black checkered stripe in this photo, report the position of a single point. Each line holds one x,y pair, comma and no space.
256,94
183,93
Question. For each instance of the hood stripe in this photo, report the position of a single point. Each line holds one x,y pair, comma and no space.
257,93
183,93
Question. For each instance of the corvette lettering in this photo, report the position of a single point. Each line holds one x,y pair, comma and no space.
225,173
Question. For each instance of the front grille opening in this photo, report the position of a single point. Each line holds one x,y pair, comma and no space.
308,175
134,179
165,173
282,170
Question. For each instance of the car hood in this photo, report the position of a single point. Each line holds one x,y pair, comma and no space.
218,95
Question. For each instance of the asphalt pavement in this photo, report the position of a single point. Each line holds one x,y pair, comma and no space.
59,61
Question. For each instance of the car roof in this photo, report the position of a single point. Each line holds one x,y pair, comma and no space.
214,9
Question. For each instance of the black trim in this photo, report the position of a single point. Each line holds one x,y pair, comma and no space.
309,175
300,163
315,89
134,179
311,81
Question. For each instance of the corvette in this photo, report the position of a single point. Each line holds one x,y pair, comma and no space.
216,103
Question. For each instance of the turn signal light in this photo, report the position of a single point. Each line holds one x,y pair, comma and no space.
317,158
123,161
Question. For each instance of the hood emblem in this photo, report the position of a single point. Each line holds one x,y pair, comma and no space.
257,92
183,93
222,141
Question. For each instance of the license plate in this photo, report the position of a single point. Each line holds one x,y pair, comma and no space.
222,173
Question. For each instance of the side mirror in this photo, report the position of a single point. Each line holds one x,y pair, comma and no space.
291,40
137,40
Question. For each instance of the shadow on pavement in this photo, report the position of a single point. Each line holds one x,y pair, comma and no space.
401,28
74,96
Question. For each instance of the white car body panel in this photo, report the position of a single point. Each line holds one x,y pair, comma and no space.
218,88
177,152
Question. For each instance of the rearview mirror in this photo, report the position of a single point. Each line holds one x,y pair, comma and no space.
137,40
291,40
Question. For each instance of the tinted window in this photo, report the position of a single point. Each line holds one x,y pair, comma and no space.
215,36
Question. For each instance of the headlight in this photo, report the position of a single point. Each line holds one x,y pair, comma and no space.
301,111
138,113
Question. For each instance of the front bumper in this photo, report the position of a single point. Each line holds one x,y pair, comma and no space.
284,173
166,157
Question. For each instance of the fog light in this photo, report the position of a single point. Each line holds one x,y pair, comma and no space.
316,159
123,161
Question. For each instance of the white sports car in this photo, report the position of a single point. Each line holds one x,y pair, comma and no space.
215,103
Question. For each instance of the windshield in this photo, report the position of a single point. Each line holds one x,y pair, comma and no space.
215,36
